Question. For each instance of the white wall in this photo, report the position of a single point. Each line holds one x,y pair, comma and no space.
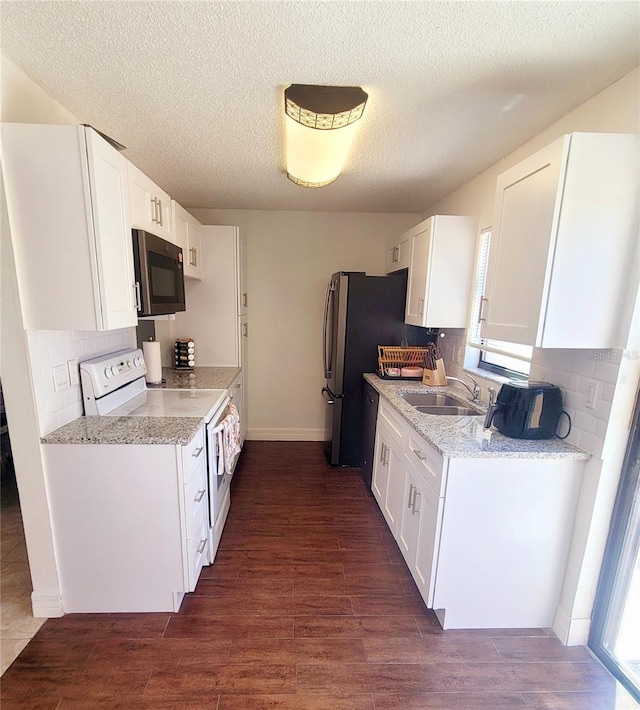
290,257
603,430
24,101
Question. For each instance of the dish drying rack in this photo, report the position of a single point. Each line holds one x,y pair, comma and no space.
399,357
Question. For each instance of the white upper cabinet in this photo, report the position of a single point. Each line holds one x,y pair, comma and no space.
441,271
399,256
187,234
67,199
150,206
562,245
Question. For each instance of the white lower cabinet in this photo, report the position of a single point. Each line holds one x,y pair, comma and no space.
130,523
386,482
485,539
419,528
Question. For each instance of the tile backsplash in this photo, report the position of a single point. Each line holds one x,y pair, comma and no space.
574,371
49,349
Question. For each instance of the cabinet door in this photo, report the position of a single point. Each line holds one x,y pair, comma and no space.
526,212
399,256
193,261
430,508
416,289
112,230
410,519
387,484
243,299
380,477
150,206
181,230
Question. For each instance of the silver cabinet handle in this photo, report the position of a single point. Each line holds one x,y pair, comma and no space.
244,299
202,545
154,203
197,452
136,287
481,315
416,493
245,330
387,451
411,487
199,496
195,257
419,454
382,448
421,306
160,213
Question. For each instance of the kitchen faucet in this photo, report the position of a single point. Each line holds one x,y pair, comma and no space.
475,392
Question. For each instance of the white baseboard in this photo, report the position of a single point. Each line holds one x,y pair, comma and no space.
571,632
46,606
285,434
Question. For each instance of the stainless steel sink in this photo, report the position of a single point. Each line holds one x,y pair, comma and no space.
448,409
429,399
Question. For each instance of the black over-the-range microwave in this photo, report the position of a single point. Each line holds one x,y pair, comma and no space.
159,275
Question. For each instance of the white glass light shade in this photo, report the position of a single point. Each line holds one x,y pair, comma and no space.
316,158
320,126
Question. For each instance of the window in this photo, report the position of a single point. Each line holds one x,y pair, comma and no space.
509,359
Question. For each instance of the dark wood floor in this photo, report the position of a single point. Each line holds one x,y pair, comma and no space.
309,606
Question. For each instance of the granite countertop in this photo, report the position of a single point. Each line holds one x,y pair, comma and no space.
460,436
126,430
147,430
200,378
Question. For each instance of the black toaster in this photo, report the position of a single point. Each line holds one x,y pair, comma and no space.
527,410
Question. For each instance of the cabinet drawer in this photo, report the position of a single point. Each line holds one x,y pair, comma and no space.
195,495
391,418
427,461
193,454
197,548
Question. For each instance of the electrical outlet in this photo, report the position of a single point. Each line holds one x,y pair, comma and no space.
74,374
60,377
590,397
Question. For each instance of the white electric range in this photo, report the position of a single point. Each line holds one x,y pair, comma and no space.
114,385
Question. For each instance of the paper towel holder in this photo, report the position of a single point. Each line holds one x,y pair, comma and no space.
153,361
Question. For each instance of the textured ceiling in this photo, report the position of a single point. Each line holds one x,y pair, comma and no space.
194,89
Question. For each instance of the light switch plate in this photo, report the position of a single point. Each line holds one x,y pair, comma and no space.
74,375
60,377
590,398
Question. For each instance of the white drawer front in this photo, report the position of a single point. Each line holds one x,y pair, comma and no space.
392,419
428,462
197,552
194,455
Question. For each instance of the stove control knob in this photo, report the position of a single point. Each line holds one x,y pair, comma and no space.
137,362
128,364
107,372
114,370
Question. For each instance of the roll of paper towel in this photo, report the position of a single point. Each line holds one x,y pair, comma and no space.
153,361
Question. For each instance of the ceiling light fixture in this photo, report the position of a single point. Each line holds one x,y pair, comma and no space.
320,125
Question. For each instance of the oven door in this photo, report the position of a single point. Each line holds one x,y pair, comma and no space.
218,481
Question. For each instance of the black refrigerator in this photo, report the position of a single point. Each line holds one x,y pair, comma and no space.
361,312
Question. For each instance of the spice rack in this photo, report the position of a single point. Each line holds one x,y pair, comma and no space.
184,354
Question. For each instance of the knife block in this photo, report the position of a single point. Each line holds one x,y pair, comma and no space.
437,377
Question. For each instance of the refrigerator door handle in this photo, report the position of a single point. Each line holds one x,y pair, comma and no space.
329,396
327,346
